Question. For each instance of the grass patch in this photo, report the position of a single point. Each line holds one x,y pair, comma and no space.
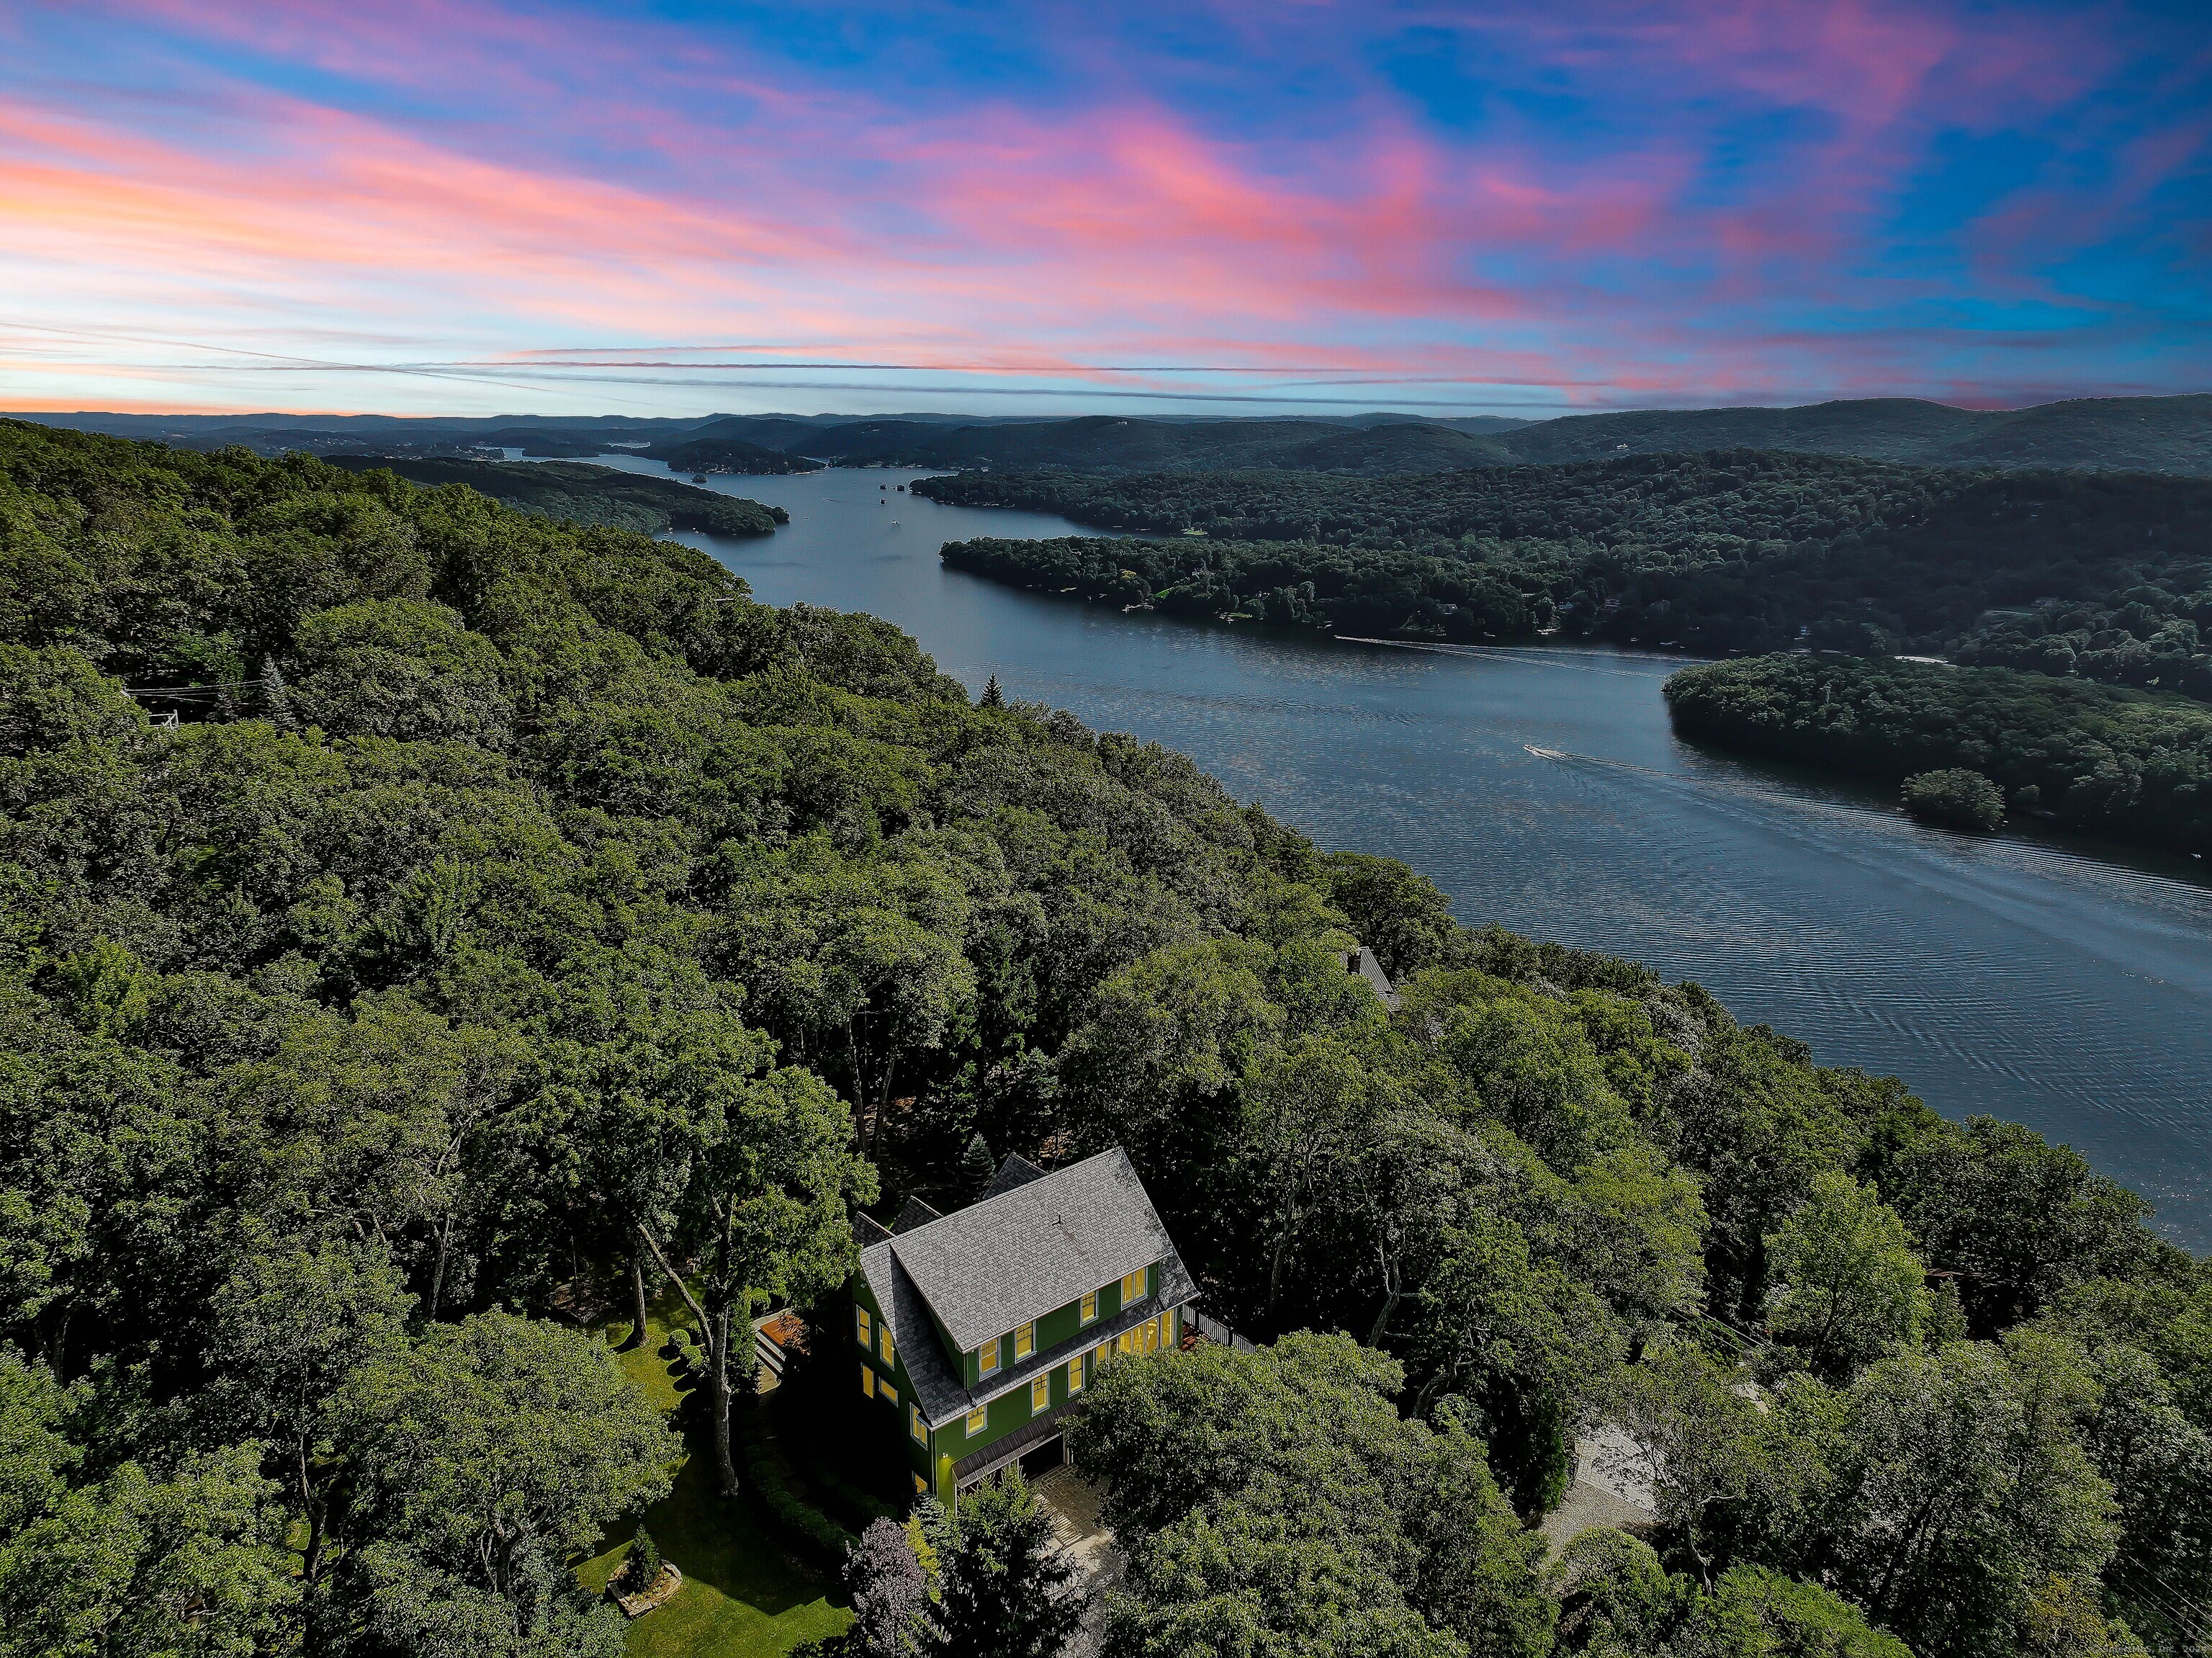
744,1596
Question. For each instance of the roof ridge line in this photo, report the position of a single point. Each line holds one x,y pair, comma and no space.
1011,1191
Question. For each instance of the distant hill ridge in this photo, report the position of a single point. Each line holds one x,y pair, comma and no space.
2115,434
2171,435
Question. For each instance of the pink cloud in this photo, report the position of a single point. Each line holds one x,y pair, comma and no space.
490,180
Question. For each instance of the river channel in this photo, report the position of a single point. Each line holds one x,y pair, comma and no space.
2064,986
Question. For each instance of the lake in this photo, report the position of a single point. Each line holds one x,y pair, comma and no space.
2023,976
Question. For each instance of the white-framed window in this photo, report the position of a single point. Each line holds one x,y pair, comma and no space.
1105,1349
1075,1374
1133,1287
988,1360
913,1423
861,1327
1025,1340
976,1418
889,1393
883,1342
1041,1395
867,1378
1090,1311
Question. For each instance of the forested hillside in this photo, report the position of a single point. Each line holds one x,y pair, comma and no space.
589,495
1356,590
2147,433
2103,576
731,455
516,904
2169,435
2104,434
1111,444
2128,765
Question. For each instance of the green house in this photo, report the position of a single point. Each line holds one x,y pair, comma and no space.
978,1332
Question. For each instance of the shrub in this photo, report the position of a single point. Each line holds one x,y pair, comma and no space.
640,1567
1957,799
806,1524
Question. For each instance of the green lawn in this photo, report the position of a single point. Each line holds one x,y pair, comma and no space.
744,1596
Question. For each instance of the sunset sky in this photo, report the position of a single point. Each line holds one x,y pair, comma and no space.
1196,208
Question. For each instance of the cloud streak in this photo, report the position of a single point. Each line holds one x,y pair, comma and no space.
1591,205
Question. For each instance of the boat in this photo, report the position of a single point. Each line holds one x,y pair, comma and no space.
1544,754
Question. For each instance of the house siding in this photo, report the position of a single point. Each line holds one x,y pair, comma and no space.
947,1452
1062,1325
919,1454
1012,1411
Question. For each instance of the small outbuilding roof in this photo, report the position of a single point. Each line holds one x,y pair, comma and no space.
1016,1255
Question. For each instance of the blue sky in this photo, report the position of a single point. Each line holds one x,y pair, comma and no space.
1199,208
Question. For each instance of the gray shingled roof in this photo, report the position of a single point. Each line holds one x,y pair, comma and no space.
998,1263
913,1213
1017,1170
937,1387
1370,969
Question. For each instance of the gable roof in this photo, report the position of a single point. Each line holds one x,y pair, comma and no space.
999,1263
938,1386
1363,963
1017,1170
913,1213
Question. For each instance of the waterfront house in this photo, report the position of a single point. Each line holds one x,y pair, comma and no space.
978,1332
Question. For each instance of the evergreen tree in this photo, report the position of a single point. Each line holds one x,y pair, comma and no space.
975,1165
640,1567
276,697
1005,1580
993,696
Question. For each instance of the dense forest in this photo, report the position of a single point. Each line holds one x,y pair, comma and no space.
518,907
2128,765
1108,444
2118,433
2143,434
730,454
2115,434
2103,576
1358,590
588,494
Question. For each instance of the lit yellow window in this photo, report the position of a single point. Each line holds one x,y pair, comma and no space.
890,1393
1090,1307
913,1423
884,1341
1104,1347
867,1381
862,1326
1133,1287
920,1484
1075,1374
1126,1342
976,1418
1041,1393
990,1356
1025,1340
